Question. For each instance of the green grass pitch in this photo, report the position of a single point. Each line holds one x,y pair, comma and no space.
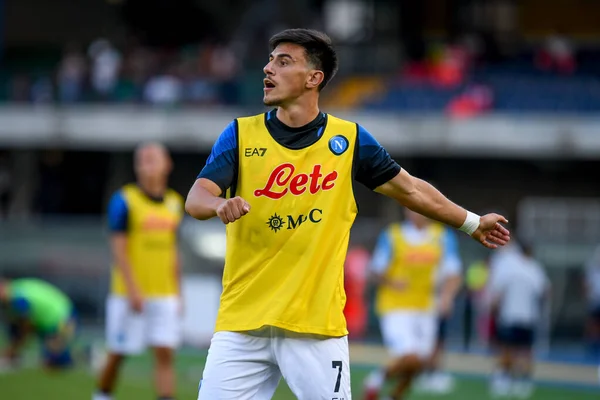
136,384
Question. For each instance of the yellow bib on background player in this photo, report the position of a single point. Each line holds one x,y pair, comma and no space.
285,259
414,264
151,242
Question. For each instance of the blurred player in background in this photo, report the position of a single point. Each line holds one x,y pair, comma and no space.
592,293
408,260
144,306
518,290
475,315
282,181
35,308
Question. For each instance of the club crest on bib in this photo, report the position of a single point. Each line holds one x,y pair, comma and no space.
338,145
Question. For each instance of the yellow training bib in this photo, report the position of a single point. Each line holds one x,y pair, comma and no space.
151,242
414,264
285,259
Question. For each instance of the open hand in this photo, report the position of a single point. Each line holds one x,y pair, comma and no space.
490,232
233,209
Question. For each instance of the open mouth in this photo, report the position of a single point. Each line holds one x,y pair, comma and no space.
268,84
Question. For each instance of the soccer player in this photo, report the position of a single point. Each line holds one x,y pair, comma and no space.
36,308
592,294
409,260
143,308
282,182
517,289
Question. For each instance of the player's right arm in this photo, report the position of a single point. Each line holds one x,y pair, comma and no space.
204,199
118,221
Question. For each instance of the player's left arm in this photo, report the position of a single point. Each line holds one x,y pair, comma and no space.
451,273
422,197
378,171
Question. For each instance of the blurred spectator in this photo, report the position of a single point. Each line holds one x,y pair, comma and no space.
474,101
106,64
592,291
42,91
164,89
557,54
225,68
71,75
450,66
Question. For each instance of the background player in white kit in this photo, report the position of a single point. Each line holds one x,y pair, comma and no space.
518,287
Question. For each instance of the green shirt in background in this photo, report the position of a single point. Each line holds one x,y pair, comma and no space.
45,306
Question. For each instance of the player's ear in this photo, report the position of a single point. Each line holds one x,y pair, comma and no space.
315,78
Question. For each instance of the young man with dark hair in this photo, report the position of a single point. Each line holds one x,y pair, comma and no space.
282,182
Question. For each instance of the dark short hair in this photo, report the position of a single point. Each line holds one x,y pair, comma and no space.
318,47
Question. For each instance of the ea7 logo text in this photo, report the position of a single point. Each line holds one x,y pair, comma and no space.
253,151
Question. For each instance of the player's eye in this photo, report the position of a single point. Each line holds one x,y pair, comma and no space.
283,63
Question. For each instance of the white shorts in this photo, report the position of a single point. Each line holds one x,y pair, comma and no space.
409,332
158,325
243,367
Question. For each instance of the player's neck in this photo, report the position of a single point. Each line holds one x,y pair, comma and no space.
420,227
152,188
298,114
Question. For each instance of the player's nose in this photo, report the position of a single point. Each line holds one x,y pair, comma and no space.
267,69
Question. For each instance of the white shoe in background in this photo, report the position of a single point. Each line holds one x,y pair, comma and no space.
97,357
500,385
442,383
523,389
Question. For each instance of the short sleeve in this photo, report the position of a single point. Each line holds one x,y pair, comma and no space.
117,213
451,264
373,166
221,166
382,255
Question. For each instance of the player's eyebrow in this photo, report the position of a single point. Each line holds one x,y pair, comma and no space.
281,55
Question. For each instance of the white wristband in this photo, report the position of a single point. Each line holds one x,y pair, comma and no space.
471,223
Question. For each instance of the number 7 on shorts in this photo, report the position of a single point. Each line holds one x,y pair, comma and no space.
338,365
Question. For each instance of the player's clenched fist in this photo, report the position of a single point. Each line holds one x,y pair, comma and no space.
233,209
